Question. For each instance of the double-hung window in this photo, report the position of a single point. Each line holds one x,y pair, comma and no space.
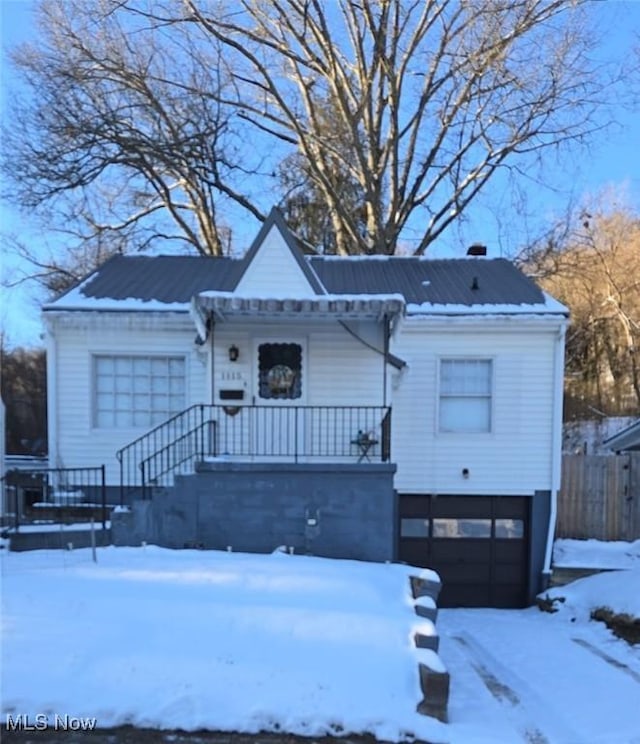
465,395
137,391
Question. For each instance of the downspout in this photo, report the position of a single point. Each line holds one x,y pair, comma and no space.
212,377
385,357
556,443
52,394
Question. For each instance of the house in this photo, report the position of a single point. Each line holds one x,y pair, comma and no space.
371,408
626,440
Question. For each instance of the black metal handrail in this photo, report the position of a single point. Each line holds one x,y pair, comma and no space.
155,440
56,495
277,433
192,445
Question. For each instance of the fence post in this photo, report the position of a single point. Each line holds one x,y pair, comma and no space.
120,454
93,541
144,480
103,489
633,493
16,509
201,432
386,436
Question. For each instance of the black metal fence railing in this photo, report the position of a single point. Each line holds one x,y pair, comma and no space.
274,433
159,467
140,458
55,496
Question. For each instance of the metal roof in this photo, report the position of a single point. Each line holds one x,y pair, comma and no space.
440,281
176,279
425,284
162,278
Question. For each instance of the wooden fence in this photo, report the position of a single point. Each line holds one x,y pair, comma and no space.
600,497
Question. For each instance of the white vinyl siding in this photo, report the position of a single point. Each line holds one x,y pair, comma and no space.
338,370
515,457
465,395
274,271
137,390
80,339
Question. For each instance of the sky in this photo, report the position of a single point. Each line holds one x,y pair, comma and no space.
610,164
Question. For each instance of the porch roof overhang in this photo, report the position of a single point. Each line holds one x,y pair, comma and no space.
327,307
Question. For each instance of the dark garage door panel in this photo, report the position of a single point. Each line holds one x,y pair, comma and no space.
463,573
475,595
475,572
460,551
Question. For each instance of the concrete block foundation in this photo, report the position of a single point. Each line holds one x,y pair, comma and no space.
330,510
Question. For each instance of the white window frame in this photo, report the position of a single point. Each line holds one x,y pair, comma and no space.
471,396
137,418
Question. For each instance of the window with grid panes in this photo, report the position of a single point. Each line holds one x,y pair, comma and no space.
465,395
138,391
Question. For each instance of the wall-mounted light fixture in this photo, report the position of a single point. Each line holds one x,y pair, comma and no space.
234,353
465,472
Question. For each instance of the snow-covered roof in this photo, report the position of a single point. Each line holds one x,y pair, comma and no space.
337,306
438,287
428,287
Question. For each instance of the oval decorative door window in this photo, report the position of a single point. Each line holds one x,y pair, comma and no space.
280,378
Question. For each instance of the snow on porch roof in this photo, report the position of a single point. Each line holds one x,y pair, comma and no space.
227,304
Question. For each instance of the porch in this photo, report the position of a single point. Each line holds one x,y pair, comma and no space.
258,434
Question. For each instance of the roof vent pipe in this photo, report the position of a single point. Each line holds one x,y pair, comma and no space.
477,250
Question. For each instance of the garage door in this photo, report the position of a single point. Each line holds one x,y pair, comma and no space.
478,544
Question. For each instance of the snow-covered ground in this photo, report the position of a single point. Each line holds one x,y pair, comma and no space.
225,641
596,554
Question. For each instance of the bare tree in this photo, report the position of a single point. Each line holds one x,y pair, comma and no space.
121,135
594,268
303,203
24,391
435,96
146,119
52,270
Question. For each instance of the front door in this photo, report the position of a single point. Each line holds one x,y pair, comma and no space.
280,384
